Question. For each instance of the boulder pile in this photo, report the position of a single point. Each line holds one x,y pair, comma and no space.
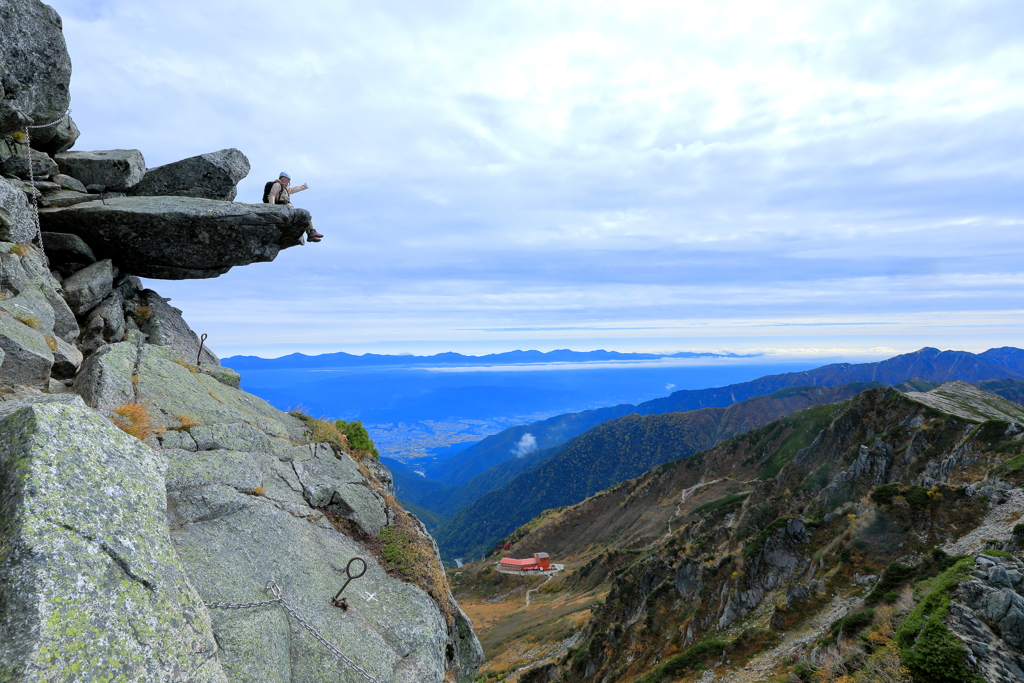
141,489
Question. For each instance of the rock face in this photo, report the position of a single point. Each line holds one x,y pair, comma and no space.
175,238
88,287
17,163
166,327
207,176
987,614
91,583
68,254
247,505
16,222
781,558
27,358
26,272
34,68
116,169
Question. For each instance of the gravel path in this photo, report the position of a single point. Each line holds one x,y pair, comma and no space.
757,668
998,523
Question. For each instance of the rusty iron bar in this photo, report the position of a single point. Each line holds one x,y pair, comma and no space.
202,340
339,601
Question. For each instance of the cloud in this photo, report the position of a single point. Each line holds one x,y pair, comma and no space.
527,444
670,387
604,164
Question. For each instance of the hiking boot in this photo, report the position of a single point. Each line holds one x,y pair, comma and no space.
315,236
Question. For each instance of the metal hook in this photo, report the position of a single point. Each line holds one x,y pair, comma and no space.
202,340
274,588
342,603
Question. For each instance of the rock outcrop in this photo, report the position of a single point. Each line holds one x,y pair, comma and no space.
92,587
35,70
140,487
16,222
175,238
116,170
207,176
987,614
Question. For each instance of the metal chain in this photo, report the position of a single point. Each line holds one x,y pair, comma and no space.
32,180
279,600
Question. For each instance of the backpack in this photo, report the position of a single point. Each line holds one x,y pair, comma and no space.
266,191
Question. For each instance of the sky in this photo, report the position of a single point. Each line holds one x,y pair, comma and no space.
798,178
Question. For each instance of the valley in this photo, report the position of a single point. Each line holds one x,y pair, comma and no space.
723,533
737,563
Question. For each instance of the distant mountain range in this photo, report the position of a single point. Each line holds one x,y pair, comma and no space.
341,359
927,364
493,488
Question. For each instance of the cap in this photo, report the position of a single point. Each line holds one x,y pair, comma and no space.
284,175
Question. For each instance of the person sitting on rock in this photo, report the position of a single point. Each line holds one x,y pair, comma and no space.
279,192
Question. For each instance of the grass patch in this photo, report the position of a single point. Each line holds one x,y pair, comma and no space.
852,624
188,366
20,249
30,321
732,501
325,431
893,578
134,419
186,423
693,658
404,553
806,427
50,342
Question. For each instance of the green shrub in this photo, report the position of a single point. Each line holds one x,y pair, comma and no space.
992,552
804,671
917,496
692,658
883,495
893,578
852,624
929,651
358,437
938,657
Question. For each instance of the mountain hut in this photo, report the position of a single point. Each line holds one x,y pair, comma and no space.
540,562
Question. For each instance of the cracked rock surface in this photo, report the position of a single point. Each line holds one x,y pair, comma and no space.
246,504
89,579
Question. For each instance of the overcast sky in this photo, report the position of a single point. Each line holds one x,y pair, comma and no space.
633,175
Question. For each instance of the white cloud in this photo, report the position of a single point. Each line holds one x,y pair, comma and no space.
602,164
527,444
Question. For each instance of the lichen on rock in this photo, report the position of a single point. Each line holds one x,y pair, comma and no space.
90,585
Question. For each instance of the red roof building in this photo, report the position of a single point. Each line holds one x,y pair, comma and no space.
540,562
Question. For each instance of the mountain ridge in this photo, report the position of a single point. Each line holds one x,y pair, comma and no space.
761,562
928,363
342,359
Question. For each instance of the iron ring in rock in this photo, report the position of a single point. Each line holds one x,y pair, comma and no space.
337,600
199,356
